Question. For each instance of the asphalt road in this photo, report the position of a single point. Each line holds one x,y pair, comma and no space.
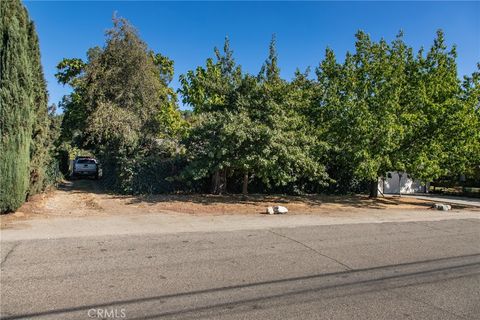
411,270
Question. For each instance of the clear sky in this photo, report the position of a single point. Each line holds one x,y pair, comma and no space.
187,31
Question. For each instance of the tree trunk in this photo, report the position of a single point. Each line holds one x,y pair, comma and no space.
223,181
374,188
215,179
219,181
245,184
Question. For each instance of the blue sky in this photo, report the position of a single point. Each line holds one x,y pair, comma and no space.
187,31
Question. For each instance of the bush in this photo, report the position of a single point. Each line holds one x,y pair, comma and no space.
23,109
147,175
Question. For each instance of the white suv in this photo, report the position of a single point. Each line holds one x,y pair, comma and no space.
87,167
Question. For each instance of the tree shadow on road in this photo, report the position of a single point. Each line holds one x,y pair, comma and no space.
293,290
81,185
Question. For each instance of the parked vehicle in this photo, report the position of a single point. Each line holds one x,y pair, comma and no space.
85,167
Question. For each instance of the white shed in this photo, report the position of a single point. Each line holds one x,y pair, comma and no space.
400,182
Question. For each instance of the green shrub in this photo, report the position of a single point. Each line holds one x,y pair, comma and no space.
24,123
145,175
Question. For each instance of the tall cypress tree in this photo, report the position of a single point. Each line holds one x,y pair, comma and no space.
22,99
40,149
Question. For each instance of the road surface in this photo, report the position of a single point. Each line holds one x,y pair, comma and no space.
395,270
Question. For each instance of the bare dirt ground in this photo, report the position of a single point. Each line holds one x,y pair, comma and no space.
85,198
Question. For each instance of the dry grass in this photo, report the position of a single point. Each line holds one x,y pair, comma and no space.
254,204
84,198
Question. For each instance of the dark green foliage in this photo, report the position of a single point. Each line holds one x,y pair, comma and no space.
42,147
383,108
25,145
16,110
153,174
121,106
244,125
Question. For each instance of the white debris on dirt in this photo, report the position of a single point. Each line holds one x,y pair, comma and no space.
277,210
280,209
441,206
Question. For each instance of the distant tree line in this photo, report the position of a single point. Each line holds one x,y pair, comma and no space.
28,128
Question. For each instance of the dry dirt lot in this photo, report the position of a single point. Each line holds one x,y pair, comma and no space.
85,198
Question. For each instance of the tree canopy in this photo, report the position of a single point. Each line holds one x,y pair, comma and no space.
245,125
387,109
122,103
383,107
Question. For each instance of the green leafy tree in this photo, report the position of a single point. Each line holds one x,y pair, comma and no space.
470,97
293,150
246,125
210,90
362,107
445,134
72,72
122,103
385,109
331,109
